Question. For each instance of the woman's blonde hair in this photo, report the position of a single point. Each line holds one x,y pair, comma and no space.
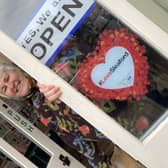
6,67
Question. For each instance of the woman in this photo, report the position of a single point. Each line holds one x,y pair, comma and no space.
70,127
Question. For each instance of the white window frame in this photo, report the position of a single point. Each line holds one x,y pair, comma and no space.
152,151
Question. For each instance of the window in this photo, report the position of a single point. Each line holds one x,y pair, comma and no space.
142,118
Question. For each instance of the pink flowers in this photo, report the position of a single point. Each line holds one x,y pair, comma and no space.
107,40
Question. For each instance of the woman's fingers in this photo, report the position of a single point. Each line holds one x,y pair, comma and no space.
51,92
53,95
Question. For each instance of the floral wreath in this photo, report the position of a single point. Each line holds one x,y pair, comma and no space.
107,40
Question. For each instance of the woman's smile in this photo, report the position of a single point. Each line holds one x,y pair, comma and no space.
14,84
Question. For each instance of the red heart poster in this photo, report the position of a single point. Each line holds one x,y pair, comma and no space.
116,69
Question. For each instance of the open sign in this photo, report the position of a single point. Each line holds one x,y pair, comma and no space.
52,26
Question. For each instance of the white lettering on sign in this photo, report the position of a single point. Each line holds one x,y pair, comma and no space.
117,72
52,25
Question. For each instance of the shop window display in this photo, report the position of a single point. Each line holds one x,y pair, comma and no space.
139,105
141,99
88,47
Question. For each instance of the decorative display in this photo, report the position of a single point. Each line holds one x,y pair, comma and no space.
116,69
91,47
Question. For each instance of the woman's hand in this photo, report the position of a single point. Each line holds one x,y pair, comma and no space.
51,92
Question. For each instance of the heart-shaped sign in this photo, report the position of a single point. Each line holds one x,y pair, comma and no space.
117,72
116,69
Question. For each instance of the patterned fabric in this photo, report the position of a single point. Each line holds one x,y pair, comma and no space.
72,129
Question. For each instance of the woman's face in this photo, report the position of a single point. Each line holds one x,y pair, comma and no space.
14,84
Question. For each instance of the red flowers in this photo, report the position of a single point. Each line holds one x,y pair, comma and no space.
108,40
84,129
44,120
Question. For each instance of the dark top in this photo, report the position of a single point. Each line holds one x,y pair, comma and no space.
72,129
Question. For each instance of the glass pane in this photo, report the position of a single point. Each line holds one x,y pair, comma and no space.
80,64
15,14
101,57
